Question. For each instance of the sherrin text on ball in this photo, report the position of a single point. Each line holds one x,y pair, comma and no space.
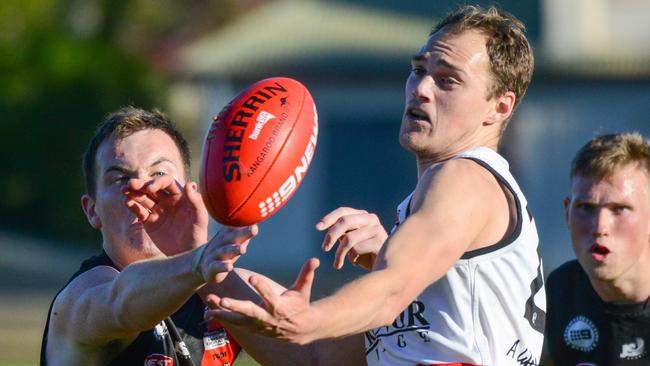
257,151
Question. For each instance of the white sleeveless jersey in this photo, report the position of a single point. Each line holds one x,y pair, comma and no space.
488,309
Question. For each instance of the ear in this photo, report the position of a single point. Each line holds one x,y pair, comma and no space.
567,205
88,205
503,106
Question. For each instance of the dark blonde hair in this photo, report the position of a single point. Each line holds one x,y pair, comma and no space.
603,155
511,56
123,123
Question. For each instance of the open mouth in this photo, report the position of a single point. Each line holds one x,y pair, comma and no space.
599,252
599,249
417,114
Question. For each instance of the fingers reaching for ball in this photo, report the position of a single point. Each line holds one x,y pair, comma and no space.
359,233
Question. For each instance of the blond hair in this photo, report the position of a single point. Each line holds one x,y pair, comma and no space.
604,155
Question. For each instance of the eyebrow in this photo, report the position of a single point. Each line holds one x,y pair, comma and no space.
440,61
419,57
124,170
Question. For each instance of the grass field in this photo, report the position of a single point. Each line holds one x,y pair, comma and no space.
22,316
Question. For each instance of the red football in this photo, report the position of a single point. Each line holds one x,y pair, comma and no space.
257,151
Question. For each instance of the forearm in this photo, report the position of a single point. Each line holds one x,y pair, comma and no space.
369,302
403,270
146,292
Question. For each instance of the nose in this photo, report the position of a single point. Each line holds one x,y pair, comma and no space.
139,174
601,223
422,89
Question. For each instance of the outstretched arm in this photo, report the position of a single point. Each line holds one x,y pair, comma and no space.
103,305
422,249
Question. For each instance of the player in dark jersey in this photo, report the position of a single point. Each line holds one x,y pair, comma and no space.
599,304
135,303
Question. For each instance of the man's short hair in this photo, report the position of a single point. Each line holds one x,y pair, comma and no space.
603,155
123,123
511,56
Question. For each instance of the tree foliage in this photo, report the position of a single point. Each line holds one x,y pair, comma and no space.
57,85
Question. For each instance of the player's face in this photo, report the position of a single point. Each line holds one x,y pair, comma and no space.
609,220
145,154
446,95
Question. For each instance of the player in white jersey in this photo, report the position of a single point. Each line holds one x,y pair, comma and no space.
467,308
465,82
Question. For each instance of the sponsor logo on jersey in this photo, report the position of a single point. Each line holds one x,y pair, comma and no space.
410,320
214,339
581,334
218,350
157,359
633,350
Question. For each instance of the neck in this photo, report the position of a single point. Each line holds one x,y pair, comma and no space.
122,255
426,162
622,290
115,257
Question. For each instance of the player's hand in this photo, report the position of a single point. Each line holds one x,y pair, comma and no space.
219,255
173,215
359,233
282,315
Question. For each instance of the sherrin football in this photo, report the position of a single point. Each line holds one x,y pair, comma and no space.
257,151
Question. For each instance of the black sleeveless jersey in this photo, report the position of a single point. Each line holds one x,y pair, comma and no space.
180,340
582,329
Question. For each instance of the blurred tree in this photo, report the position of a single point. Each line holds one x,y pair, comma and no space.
56,86
63,66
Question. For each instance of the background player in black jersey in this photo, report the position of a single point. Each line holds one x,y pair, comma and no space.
599,305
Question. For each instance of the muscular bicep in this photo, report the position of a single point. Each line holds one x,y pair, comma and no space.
84,312
450,210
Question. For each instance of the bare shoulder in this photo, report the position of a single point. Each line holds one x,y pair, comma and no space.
465,198
456,179
63,310
68,328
